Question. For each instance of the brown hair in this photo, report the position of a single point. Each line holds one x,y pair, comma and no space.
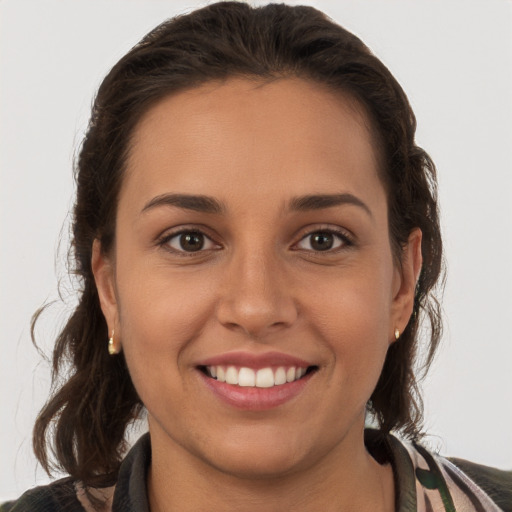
83,424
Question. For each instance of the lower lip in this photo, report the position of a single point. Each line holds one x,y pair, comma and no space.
255,399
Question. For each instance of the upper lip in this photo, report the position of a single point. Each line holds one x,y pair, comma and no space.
255,361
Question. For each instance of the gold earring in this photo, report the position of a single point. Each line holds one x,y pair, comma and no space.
397,334
112,350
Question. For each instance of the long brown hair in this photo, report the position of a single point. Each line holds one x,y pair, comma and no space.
82,426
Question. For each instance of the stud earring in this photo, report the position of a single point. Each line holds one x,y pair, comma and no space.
397,334
112,349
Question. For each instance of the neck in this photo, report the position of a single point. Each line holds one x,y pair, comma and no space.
346,479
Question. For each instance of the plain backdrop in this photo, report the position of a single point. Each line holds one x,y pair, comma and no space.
454,60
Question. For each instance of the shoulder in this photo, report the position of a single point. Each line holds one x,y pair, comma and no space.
496,483
424,480
55,497
462,484
68,495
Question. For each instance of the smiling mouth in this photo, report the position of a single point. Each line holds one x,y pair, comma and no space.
267,377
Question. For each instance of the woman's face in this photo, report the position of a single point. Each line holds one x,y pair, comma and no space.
252,245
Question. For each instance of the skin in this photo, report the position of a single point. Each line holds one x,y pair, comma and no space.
258,285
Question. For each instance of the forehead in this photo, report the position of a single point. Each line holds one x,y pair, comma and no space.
275,135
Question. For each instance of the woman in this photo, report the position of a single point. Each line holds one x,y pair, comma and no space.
257,237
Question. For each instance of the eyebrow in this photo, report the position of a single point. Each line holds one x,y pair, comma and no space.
320,201
198,203
207,204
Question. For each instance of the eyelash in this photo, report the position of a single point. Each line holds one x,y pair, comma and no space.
165,239
345,239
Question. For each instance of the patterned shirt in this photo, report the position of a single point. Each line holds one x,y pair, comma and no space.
424,482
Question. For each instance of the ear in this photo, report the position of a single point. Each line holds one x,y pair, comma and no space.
104,277
407,275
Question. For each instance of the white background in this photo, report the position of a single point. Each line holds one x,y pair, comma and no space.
453,58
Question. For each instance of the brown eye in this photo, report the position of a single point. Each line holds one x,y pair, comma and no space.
189,241
322,241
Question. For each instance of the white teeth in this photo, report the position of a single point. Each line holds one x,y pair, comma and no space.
265,378
280,376
246,377
232,375
262,378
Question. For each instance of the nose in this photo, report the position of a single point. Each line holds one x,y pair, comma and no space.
256,297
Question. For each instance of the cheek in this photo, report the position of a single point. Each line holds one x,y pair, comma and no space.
160,315
352,316
358,340
354,301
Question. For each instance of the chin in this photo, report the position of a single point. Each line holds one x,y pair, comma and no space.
262,457
250,466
